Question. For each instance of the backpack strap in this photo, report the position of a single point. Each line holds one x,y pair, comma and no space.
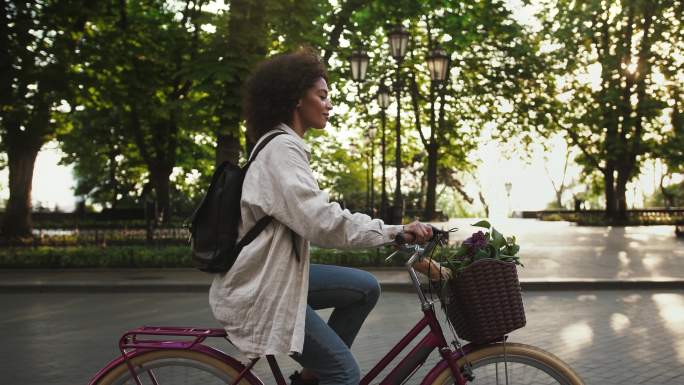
263,222
261,145
253,233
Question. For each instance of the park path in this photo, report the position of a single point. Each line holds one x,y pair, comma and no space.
609,337
566,251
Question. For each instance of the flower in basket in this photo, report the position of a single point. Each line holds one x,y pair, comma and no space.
487,298
484,244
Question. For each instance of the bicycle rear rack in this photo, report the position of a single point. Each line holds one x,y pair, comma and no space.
132,340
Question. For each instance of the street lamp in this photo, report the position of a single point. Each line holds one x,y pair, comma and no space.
398,41
358,61
383,102
438,63
509,186
383,96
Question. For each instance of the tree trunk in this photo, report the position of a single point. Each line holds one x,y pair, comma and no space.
17,220
245,46
609,192
162,187
620,198
431,196
228,149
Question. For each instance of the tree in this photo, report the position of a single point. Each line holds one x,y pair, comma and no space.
243,43
38,42
672,150
156,79
256,28
613,117
493,62
107,166
139,66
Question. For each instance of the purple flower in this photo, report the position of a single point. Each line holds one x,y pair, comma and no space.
476,242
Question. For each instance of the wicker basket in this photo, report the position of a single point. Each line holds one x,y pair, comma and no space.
484,301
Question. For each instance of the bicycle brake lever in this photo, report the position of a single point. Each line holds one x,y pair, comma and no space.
391,255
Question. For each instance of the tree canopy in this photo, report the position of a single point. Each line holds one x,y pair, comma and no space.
145,96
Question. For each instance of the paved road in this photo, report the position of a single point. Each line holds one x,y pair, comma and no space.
564,250
609,337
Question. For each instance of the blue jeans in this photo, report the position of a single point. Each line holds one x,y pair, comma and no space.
353,293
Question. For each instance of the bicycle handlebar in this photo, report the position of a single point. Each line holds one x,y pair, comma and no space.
419,251
401,238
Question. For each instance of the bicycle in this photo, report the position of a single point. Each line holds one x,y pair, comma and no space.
145,358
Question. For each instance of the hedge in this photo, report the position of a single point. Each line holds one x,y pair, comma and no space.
162,256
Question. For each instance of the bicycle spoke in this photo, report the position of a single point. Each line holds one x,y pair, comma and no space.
153,378
176,372
514,373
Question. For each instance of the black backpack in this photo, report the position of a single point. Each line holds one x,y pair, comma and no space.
214,224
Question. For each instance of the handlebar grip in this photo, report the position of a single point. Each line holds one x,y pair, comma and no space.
400,238
404,238
436,232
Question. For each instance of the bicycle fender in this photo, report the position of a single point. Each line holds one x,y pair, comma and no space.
215,353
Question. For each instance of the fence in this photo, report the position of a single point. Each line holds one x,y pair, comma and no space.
102,237
650,216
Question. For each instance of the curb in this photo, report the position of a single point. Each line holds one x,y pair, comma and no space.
197,287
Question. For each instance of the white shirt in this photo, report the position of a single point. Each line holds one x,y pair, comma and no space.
261,301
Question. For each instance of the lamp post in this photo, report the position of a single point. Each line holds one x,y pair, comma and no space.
509,187
398,40
370,134
438,63
383,102
358,61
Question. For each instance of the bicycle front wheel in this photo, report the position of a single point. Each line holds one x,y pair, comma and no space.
514,364
174,367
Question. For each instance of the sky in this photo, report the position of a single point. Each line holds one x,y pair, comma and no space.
530,179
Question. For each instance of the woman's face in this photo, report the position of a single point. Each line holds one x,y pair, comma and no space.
314,108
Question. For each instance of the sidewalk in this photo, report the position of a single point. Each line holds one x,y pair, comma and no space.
557,256
190,280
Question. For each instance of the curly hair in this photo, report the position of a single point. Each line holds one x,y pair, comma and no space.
275,87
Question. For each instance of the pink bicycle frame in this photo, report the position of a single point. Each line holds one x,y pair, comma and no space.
131,346
434,339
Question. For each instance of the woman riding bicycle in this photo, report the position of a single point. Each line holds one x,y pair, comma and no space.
267,301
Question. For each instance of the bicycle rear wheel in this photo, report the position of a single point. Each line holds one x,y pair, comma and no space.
174,367
514,364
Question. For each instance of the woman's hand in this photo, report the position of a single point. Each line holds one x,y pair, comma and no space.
416,232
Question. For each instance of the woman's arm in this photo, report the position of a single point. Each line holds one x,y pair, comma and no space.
288,192
432,269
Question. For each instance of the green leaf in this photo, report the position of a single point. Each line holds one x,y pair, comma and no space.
484,224
481,254
512,249
498,239
463,250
